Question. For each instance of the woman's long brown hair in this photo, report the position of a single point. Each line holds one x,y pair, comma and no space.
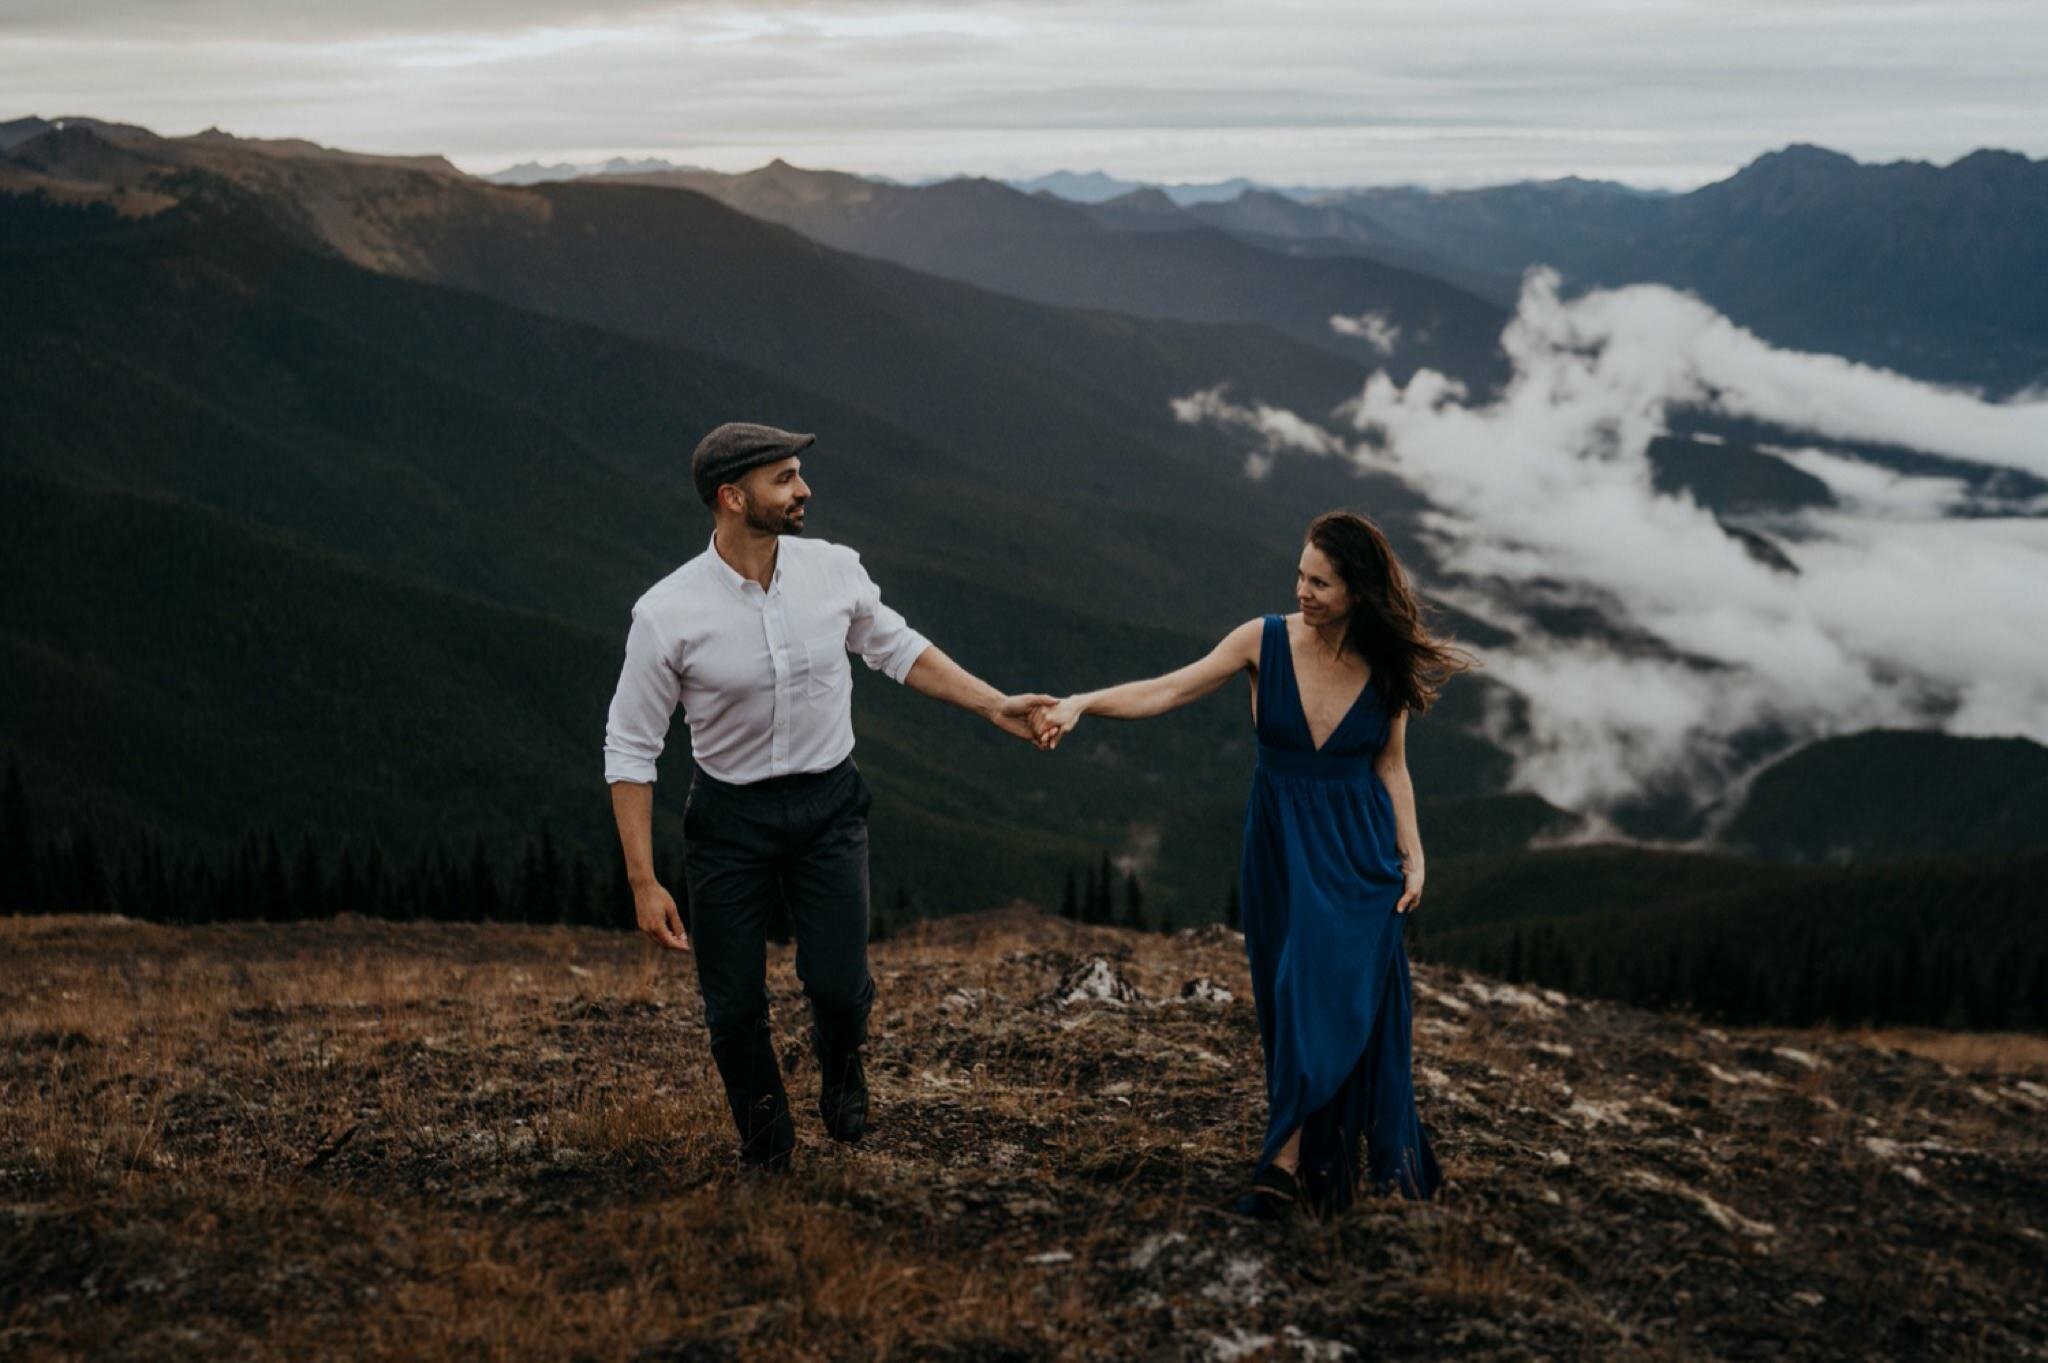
1409,664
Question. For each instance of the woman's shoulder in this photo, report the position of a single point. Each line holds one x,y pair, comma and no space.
1247,642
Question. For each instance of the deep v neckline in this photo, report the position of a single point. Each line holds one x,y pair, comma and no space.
1301,706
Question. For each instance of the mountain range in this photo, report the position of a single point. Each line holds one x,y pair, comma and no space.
1934,271
337,473
1050,251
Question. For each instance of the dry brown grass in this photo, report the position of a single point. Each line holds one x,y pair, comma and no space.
364,1140
2015,1053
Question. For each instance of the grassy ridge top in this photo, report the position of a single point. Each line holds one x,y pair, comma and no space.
362,1140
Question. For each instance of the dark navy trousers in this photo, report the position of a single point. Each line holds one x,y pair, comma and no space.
802,839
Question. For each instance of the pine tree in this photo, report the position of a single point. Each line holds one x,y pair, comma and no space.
549,886
1231,911
525,900
347,894
121,881
17,845
274,889
242,889
618,909
1099,907
377,900
88,867
198,890
482,903
582,882
1134,903
158,900
309,889
1070,900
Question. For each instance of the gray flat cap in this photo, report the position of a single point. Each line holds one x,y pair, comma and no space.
737,446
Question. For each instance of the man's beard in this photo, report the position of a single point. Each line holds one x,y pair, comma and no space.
782,524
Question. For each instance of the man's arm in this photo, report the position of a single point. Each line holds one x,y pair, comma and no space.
888,644
635,731
654,908
938,676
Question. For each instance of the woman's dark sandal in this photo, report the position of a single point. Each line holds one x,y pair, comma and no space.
1274,1196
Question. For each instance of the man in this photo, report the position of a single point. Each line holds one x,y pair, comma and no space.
752,637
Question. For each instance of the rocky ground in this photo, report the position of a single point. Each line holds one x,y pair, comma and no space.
366,1140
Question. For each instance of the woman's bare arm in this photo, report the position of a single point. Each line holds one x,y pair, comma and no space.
1392,765
1238,652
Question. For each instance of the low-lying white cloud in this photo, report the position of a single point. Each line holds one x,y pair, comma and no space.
1897,612
1648,344
1277,428
1376,329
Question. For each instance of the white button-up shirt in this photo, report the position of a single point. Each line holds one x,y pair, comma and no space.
763,676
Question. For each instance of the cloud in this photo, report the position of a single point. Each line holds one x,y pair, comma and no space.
1318,92
1662,346
1899,612
1874,490
1277,428
1376,329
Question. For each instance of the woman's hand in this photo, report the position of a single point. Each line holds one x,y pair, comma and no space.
1057,720
1411,895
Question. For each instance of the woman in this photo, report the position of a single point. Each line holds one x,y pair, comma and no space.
1332,860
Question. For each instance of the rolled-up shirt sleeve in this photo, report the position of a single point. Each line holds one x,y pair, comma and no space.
649,687
878,632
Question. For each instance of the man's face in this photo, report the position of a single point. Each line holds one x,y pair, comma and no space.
773,497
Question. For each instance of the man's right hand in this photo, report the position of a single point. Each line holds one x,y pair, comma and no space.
656,910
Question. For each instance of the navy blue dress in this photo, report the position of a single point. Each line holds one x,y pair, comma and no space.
1320,876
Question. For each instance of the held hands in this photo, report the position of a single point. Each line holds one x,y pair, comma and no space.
1042,719
655,909
1018,715
1055,721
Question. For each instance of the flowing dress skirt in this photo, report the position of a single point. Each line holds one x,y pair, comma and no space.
1319,880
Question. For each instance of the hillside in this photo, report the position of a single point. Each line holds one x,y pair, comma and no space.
468,447
351,1140
1889,793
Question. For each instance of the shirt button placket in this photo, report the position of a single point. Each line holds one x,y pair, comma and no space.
777,631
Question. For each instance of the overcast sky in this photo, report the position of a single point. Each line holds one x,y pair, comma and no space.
1657,92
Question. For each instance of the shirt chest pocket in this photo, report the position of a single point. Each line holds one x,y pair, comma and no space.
826,668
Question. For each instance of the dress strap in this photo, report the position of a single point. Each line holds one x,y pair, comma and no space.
1271,641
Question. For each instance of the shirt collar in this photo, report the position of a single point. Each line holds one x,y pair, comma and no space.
731,576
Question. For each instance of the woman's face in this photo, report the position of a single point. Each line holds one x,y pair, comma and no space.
1318,590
